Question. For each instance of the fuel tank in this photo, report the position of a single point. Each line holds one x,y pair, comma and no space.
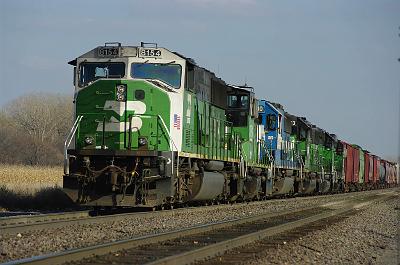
309,186
283,186
252,186
207,186
325,186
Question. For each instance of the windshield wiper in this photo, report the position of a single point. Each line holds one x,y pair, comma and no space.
171,62
114,76
142,63
161,84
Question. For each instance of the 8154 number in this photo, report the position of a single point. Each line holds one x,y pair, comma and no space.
108,51
150,53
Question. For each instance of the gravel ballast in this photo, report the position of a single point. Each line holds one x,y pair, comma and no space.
369,237
17,246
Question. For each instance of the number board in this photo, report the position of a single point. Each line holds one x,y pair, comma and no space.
108,51
150,53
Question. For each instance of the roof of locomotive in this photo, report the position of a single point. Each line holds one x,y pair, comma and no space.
134,51
131,51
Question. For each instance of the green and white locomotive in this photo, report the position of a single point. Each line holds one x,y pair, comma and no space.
153,128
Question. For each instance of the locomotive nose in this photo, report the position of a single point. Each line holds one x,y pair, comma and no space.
123,115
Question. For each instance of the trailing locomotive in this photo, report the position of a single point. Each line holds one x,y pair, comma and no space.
153,128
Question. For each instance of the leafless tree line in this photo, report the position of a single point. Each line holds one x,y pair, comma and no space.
33,128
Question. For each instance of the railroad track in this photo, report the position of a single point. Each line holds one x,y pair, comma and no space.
20,224
24,223
214,242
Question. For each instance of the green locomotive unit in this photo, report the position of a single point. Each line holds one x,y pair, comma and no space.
152,128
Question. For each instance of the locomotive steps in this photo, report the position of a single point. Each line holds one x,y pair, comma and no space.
205,241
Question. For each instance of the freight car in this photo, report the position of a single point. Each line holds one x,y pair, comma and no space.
154,128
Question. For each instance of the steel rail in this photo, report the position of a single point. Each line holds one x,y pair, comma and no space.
219,248
23,223
50,223
55,221
102,249
35,218
20,224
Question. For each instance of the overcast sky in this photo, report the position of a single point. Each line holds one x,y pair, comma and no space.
334,62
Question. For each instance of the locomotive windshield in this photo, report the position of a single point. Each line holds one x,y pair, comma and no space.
238,101
168,73
90,72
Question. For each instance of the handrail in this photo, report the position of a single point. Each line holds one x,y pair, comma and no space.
171,141
243,163
271,159
68,142
302,164
265,147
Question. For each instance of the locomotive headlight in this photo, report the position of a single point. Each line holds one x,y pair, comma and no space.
260,108
121,92
89,140
120,97
142,141
121,89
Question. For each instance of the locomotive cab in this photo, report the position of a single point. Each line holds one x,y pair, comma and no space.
241,105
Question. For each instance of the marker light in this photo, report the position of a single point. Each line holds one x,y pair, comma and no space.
142,141
89,140
121,92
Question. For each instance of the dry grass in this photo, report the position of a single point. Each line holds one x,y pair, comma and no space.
30,178
31,188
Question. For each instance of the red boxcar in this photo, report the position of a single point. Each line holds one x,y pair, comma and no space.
371,168
348,162
379,170
375,175
366,167
356,165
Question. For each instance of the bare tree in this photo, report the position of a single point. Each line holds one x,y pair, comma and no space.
12,142
36,125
